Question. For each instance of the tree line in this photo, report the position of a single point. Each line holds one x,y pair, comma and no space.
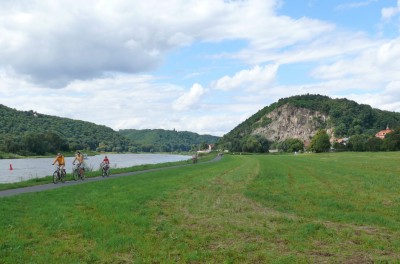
160,140
320,142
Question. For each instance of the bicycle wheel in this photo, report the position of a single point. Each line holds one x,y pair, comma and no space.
82,174
75,174
63,175
108,172
56,179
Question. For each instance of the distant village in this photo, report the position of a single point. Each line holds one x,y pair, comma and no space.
381,134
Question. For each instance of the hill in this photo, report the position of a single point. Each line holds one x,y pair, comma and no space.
167,140
28,132
300,117
31,133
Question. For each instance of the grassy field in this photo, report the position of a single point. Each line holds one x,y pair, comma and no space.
325,208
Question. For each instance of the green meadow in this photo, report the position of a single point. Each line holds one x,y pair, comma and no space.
306,208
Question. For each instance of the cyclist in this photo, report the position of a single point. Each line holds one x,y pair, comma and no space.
79,159
194,158
60,161
106,163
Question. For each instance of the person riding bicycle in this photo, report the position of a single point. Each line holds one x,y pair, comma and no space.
79,159
106,162
60,161
194,158
105,166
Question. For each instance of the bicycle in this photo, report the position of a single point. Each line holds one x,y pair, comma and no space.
59,175
78,172
105,168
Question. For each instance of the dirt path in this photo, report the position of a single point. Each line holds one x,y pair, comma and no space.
49,186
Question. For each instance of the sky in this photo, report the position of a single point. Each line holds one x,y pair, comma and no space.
202,66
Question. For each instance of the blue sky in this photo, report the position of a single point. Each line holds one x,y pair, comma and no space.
190,65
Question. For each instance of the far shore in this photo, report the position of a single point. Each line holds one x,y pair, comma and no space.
88,153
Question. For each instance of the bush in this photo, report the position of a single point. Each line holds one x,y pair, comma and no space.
320,142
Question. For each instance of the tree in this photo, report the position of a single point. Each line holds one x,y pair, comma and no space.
340,146
55,142
102,147
251,145
291,145
264,143
358,142
255,144
12,144
340,130
203,146
35,143
374,144
320,142
392,141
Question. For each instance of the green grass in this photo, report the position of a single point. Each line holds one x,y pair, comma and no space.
348,187
327,208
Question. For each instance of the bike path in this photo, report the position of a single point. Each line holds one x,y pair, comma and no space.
50,186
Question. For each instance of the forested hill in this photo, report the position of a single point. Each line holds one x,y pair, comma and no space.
31,133
27,132
167,140
303,115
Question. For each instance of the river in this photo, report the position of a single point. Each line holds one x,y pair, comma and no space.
25,169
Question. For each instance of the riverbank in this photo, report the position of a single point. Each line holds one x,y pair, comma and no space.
95,173
4,155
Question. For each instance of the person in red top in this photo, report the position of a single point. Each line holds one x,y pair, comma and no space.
106,160
105,166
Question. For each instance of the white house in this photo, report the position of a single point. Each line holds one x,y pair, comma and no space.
206,150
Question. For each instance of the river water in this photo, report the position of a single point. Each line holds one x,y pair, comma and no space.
25,169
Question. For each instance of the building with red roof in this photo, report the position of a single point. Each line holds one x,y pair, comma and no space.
381,134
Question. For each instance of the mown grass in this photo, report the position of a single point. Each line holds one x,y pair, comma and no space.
328,208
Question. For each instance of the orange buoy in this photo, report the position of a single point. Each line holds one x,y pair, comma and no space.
11,167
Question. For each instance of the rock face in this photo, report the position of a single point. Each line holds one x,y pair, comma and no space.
288,121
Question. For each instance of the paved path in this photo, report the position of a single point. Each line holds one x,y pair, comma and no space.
50,186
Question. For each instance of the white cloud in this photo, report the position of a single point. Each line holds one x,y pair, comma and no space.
375,65
189,99
56,42
248,79
389,12
355,4
387,98
388,54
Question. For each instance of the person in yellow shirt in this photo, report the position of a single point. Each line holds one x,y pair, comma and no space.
60,161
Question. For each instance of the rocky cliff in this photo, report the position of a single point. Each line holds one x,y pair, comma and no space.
288,121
